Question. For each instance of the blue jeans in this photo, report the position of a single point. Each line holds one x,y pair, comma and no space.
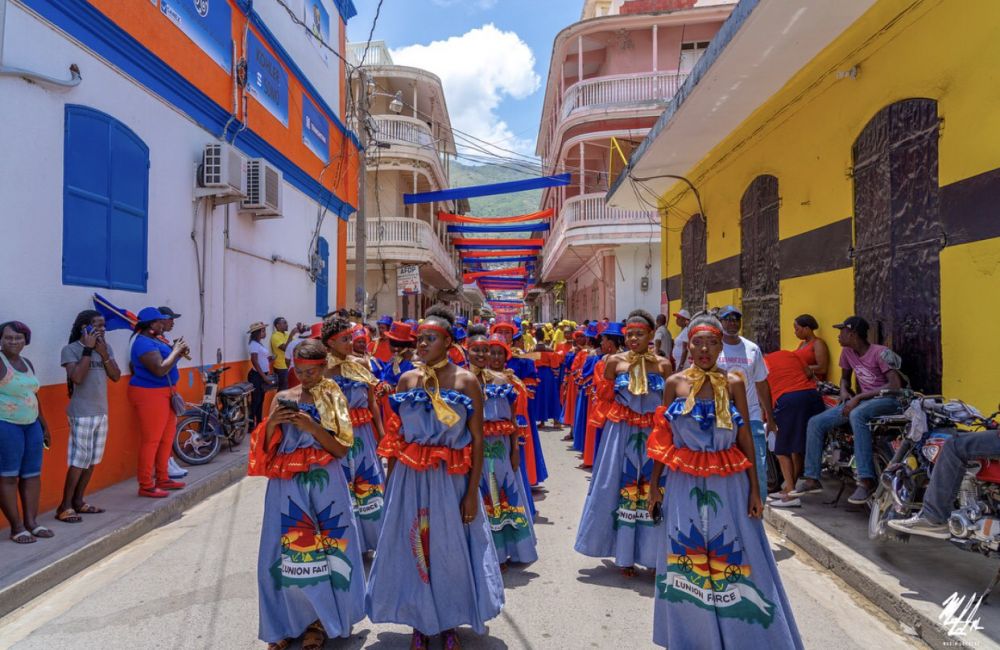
21,449
759,434
820,425
949,468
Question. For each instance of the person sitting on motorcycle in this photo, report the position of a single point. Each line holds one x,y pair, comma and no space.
877,369
946,479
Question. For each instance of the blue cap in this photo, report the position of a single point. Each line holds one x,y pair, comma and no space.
462,321
411,322
729,310
613,329
517,322
385,320
591,331
458,333
148,314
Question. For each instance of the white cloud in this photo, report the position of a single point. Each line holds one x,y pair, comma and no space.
479,69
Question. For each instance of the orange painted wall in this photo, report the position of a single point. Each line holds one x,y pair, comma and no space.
120,454
145,22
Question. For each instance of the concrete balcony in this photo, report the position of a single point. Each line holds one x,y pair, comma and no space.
620,92
406,241
585,226
411,138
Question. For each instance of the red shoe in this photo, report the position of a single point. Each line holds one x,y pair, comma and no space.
170,485
153,493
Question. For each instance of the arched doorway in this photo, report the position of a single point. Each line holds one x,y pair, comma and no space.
898,236
759,262
694,258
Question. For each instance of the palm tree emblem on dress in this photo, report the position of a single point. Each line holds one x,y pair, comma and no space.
317,476
705,498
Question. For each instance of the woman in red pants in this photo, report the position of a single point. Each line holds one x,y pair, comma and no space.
154,373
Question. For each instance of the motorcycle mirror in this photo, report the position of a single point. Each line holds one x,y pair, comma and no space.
218,355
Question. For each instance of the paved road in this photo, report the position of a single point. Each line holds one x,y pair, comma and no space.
192,584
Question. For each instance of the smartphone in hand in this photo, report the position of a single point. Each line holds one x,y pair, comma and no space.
289,404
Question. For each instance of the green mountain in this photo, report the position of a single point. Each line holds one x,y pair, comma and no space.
500,205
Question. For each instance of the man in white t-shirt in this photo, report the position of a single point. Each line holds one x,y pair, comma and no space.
742,356
680,348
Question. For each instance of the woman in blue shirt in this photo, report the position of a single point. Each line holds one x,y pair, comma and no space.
154,373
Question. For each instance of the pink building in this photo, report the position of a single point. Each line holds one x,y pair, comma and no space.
610,77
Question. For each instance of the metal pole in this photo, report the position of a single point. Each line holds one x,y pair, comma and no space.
360,222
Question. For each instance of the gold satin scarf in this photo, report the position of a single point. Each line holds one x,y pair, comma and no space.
720,392
396,360
637,381
352,370
445,414
334,414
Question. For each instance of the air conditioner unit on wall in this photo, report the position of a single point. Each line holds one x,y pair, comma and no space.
222,172
263,195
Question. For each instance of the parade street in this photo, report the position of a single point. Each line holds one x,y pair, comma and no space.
193,584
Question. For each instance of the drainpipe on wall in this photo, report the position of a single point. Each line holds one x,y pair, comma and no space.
35,77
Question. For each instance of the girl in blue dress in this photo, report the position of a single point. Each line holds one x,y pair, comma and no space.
616,521
717,585
435,567
310,572
505,495
362,466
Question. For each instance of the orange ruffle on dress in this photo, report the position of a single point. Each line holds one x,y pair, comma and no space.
360,416
499,428
572,389
660,447
421,457
620,413
602,398
527,442
264,460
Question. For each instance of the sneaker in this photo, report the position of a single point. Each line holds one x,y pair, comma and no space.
792,502
174,470
776,495
860,495
806,486
920,525
153,493
169,485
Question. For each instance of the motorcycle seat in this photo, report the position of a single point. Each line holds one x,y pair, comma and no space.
237,390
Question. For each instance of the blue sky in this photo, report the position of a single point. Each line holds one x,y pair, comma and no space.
482,49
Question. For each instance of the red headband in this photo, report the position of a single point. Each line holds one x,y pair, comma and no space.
705,328
433,328
310,362
637,326
479,343
498,341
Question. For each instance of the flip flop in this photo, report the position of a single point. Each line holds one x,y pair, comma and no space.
23,537
68,516
88,509
42,532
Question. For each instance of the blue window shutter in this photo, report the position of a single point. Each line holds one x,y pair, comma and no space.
323,279
105,202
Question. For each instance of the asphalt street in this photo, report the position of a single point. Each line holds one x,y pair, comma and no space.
192,584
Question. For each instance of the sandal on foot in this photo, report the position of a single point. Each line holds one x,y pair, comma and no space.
628,572
68,516
314,637
279,645
419,641
450,640
23,537
42,532
88,509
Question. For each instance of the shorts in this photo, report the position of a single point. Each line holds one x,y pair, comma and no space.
87,437
791,413
21,449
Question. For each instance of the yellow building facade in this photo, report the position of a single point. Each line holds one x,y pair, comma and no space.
867,184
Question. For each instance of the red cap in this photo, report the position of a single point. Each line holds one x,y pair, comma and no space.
316,331
400,332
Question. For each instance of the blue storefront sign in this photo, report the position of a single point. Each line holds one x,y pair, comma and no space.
267,81
208,23
315,130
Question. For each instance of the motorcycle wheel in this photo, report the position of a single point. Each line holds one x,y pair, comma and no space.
196,446
238,433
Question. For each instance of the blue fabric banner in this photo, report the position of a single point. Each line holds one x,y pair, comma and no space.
499,247
487,190
493,260
517,227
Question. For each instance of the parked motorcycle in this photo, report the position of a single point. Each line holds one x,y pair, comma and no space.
222,415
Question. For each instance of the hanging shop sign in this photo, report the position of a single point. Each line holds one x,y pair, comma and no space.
267,81
208,23
315,130
408,280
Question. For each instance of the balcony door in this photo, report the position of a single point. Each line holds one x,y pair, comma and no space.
759,262
694,254
898,236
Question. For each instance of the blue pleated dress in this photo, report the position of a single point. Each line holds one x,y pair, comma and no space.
431,571
615,521
505,497
363,468
526,372
583,402
717,585
309,563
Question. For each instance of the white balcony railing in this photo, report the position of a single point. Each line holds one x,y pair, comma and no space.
407,240
621,90
405,130
590,210
378,53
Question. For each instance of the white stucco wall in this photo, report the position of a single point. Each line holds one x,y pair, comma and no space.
239,288
631,262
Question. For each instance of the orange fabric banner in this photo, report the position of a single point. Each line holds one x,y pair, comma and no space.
465,241
448,217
